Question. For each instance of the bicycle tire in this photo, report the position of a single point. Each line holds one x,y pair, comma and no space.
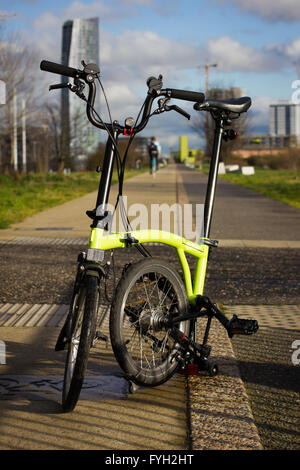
129,329
85,308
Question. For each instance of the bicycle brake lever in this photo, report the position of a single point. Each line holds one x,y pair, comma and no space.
178,110
59,85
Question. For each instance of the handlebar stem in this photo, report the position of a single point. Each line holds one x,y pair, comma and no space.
117,127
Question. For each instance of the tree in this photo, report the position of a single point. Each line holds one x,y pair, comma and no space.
96,158
53,120
18,65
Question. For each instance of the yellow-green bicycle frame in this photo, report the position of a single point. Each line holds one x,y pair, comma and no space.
100,240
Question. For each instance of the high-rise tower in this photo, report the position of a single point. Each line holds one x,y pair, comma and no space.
80,41
285,119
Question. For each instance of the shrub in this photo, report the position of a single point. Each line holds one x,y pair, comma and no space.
288,160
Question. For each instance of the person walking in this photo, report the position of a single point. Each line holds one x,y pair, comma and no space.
154,151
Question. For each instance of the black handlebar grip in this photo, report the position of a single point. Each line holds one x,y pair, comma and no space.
58,68
186,95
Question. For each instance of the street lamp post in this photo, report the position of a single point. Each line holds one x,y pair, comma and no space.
15,131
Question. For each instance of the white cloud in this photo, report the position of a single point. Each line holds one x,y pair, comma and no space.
260,110
45,36
270,10
46,28
165,8
293,49
231,55
129,58
148,3
6,14
107,12
289,51
126,61
144,53
123,102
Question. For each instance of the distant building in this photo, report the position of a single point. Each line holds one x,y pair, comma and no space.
80,41
285,120
260,145
142,147
260,142
226,94
185,154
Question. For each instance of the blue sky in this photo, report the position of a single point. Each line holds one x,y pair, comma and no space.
254,43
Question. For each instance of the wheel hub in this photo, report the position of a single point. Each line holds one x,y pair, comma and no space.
154,320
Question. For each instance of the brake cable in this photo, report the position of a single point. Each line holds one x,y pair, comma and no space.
121,169
122,163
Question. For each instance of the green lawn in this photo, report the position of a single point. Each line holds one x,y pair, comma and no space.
26,195
282,185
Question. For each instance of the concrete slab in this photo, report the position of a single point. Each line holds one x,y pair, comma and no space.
31,384
43,387
148,420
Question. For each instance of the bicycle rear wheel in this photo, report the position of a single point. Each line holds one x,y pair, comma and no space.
83,327
149,291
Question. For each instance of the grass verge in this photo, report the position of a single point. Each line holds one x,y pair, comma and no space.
22,196
281,185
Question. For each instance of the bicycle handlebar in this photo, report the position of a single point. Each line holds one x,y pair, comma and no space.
59,69
185,95
88,76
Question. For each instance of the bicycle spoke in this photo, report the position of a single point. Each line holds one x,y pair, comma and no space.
150,349
149,293
146,294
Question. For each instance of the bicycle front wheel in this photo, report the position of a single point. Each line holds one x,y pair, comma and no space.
83,327
149,291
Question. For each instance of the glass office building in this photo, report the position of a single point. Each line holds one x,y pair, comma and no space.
80,41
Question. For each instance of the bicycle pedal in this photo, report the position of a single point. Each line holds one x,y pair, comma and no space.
241,326
102,337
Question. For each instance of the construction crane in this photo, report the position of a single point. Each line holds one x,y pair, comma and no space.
206,67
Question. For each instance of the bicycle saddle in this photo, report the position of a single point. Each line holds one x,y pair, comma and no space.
234,105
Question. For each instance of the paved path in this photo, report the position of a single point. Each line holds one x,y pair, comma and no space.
150,419
69,220
241,218
244,218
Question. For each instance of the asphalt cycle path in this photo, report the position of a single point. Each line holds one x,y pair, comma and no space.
241,215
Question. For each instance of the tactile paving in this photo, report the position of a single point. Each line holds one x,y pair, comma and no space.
274,316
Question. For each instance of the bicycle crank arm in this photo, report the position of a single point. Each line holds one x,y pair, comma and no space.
235,326
188,316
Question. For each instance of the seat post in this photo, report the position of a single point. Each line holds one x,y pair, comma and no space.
213,174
